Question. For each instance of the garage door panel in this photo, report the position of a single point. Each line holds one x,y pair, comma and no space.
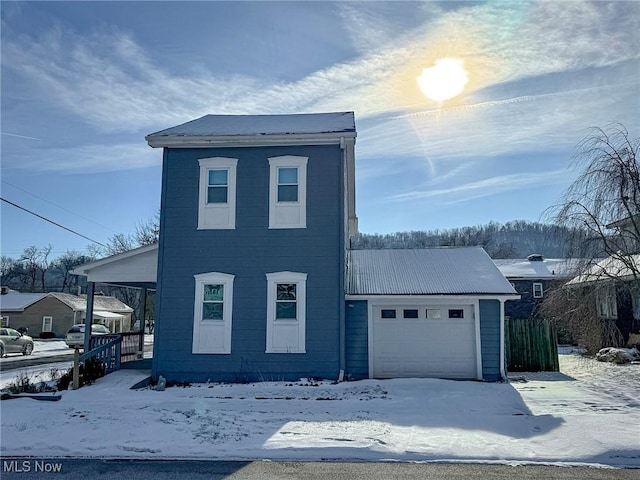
424,347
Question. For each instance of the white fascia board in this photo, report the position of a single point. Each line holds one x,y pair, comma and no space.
83,270
201,141
409,299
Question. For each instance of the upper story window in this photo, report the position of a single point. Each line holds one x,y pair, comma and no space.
537,290
218,185
217,199
287,184
288,192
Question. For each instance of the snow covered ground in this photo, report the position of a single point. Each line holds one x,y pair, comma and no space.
42,348
588,414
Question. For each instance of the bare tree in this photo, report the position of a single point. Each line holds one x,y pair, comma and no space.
64,264
602,206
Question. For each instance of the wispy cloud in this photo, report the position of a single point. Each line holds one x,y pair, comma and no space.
482,188
86,159
110,81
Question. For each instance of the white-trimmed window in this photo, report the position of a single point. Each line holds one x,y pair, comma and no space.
47,324
286,312
606,302
288,192
212,315
217,199
537,290
4,321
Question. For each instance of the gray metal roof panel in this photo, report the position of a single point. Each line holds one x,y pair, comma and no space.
429,271
241,125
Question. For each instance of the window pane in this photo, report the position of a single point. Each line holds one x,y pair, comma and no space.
288,175
218,177
213,293
433,313
287,193
212,311
388,314
456,313
285,309
410,313
286,291
217,195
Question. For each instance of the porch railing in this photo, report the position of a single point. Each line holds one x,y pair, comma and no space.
105,350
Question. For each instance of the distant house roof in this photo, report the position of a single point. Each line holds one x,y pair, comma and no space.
430,271
547,269
610,268
240,129
101,303
14,301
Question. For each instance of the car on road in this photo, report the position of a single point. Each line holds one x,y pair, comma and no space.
12,341
75,336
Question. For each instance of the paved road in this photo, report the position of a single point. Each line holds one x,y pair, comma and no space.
33,361
73,469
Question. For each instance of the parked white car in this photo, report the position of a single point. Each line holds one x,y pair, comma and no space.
75,336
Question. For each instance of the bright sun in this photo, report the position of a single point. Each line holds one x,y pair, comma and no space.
445,80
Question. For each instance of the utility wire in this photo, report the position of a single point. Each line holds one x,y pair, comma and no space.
51,221
55,205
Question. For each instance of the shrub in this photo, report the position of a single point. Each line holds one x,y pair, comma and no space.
47,335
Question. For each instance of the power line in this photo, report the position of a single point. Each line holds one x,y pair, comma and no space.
55,205
51,221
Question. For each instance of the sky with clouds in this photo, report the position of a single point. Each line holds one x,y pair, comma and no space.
84,82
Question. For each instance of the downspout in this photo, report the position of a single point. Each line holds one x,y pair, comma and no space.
343,242
503,373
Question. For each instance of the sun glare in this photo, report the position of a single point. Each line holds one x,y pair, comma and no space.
445,80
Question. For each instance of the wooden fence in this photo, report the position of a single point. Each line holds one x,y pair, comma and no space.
531,345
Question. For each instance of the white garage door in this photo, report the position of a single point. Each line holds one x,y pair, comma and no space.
424,341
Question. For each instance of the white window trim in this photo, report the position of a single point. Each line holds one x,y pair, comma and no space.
274,205
44,320
206,211
219,328
541,290
300,279
607,302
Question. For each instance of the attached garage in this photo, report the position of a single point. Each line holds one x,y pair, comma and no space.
424,340
425,313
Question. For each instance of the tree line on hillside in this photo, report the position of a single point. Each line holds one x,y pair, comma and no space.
515,239
35,271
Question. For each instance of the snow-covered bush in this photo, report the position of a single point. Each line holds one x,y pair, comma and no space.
618,355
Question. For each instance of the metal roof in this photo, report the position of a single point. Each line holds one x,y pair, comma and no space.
549,268
211,126
429,271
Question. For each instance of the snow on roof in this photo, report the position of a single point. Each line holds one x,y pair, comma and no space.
100,302
429,271
212,126
17,302
620,268
549,268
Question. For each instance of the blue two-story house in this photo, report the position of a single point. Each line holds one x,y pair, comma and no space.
256,212
255,278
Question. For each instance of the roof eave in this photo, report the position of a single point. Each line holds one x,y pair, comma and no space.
203,141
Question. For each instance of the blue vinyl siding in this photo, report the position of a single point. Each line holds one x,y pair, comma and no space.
250,252
357,339
490,339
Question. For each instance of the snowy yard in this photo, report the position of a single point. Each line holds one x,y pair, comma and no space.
588,414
